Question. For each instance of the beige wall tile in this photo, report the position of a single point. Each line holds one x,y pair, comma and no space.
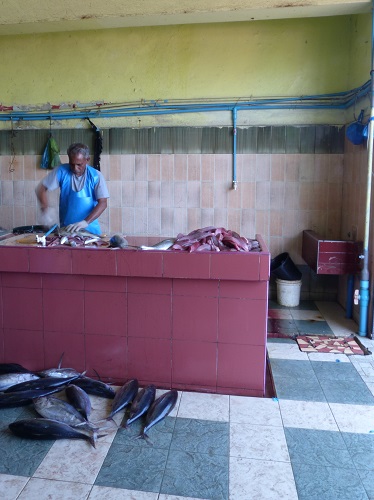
5,164
127,167
276,223
222,168
180,167
167,194
154,194
193,194
141,194
30,196
154,221
248,192
207,195
246,166
277,190
321,167
141,170
167,222
18,173
140,221
180,194
194,218
207,167
29,167
234,219
291,195
220,218
128,221
115,168
263,224
167,167
220,195
180,221
234,197
154,167
128,194
115,216
262,195
115,192
19,193
194,167
293,167
263,167
278,167
207,217
248,227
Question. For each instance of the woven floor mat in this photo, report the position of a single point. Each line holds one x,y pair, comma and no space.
335,345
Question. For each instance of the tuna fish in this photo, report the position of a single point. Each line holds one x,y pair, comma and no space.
44,428
57,409
161,245
159,409
12,368
79,399
59,372
124,396
12,379
95,387
23,398
141,404
42,383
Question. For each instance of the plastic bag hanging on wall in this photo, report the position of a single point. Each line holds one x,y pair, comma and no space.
98,145
51,155
357,132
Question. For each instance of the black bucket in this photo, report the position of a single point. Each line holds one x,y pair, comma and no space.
283,267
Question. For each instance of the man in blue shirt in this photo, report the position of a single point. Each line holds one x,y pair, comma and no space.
83,192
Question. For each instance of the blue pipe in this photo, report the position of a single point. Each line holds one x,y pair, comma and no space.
234,118
304,102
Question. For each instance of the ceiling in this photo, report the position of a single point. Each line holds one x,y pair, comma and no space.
42,16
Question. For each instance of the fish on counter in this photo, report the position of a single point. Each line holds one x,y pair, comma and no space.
159,409
43,428
161,245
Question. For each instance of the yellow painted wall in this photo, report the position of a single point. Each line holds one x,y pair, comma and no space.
283,57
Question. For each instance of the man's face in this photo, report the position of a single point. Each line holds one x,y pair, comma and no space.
78,164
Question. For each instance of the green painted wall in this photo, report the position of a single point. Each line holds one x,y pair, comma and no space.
265,58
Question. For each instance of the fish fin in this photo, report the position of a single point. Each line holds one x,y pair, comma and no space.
92,439
98,376
60,362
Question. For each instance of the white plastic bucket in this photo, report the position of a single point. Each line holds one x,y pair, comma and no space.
288,292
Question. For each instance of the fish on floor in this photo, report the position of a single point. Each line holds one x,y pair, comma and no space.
124,396
141,404
159,409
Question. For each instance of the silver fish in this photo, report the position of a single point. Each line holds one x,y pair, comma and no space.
123,397
95,387
160,408
57,409
44,428
59,372
11,379
42,383
23,398
161,245
141,404
79,399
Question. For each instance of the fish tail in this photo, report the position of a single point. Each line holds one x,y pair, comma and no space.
92,438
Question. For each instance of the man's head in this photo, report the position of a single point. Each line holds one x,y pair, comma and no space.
79,156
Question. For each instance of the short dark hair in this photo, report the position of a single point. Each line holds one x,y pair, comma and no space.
78,148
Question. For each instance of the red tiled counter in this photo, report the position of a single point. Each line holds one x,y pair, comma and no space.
193,321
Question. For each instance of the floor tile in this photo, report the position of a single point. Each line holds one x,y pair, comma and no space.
316,482
204,406
196,475
19,456
285,327
279,314
310,315
200,436
261,480
256,411
288,387
258,442
286,351
347,392
335,371
292,368
361,449
328,357
70,460
367,478
12,484
45,489
316,447
104,493
307,415
311,327
159,436
353,418
133,468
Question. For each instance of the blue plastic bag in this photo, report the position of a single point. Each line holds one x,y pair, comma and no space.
356,131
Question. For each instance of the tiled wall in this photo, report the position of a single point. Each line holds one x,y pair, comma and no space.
278,195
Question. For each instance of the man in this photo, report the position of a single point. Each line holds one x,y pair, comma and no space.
83,192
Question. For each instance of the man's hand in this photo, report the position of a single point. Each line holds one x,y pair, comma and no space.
48,216
77,226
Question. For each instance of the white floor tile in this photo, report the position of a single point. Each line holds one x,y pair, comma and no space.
261,480
353,418
307,315
334,315
204,406
12,485
104,493
285,351
256,411
328,357
45,489
261,443
307,415
70,460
